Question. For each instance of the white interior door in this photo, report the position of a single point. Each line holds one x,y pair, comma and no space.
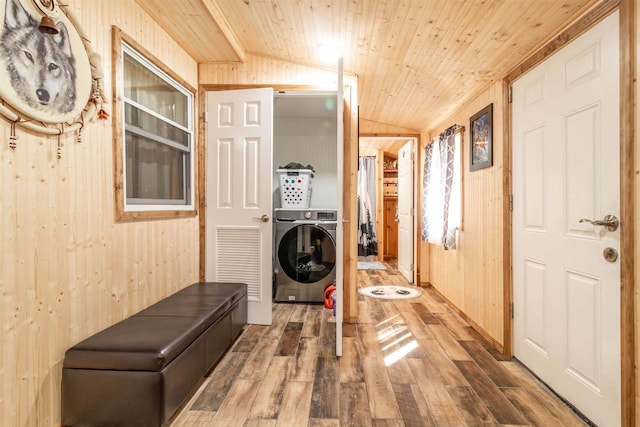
340,211
239,229
405,211
565,168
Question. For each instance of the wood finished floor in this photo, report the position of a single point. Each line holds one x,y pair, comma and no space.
407,363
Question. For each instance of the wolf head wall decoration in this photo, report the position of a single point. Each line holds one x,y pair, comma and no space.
49,74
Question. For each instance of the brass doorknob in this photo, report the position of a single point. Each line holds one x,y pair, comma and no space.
263,218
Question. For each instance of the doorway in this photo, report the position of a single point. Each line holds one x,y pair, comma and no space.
393,197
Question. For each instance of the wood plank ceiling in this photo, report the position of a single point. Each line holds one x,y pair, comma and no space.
417,61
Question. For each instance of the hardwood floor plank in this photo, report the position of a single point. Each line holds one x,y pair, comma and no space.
494,352
542,393
369,340
194,419
279,321
501,408
387,423
327,346
350,330
376,312
354,405
303,367
457,327
318,422
325,398
450,345
219,382
296,404
471,407
400,372
298,313
433,302
409,408
259,423
494,370
249,338
312,323
417,326
534,411
288,343
259,359
269,396
363,312
236,405
351,361
441,406
439,365
389,307
427,317
382,402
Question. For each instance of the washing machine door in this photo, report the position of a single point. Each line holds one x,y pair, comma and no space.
307,253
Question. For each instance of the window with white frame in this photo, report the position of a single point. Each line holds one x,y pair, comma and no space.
157,138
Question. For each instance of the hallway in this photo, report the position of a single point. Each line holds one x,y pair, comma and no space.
408,362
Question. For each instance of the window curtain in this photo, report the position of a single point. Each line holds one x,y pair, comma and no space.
367,239
442,204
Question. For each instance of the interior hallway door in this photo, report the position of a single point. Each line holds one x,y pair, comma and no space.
239,230
566,279
405,211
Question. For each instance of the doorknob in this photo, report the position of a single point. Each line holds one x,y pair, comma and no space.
263,218
610,222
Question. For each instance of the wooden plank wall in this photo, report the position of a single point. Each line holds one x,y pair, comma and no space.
67,270
636,12
471,277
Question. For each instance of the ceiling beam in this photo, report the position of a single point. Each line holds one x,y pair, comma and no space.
218,16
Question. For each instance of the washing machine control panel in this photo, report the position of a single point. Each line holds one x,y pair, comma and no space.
305,214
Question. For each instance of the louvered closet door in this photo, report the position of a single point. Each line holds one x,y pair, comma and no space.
238,192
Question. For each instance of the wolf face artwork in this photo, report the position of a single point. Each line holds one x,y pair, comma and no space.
41,67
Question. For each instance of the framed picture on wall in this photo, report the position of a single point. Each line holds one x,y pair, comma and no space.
481,149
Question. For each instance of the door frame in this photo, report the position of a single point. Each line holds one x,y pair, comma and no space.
627,189
350,141
415,139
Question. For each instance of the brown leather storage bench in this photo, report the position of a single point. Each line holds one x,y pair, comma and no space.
139,371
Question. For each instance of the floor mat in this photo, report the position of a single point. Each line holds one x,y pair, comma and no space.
371,265
390,292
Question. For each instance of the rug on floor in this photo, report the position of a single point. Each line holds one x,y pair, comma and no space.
390,292
371,265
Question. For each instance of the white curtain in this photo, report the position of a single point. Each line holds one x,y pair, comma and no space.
442,203
367,239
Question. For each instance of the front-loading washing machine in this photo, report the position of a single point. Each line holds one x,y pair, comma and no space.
305,254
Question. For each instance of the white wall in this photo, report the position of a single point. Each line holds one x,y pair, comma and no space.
308,141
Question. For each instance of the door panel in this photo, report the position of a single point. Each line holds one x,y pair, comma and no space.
239,197
566,168
405,211
340,299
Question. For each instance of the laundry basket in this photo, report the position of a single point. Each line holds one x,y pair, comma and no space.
295,187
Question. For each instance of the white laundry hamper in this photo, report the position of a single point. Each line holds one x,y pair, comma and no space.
295,187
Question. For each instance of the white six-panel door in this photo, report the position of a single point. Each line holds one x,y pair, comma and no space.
405,211
566,168
239,198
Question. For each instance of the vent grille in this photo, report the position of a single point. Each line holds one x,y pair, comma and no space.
238,258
